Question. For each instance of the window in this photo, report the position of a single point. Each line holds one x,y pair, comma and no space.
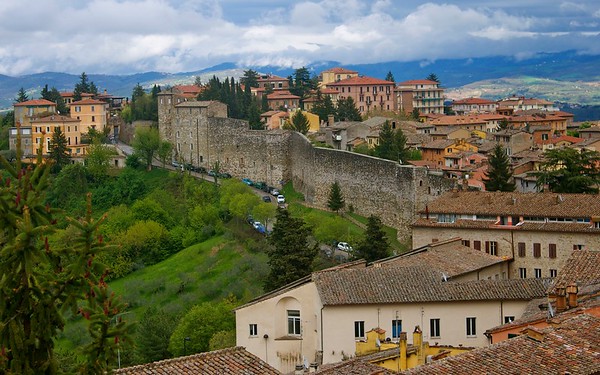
552,273
552,250
253,330
523,273
434,327
537,250
477,245
466,243
509,319
577,247
471,327
93,109
359,330
293,322
396,328
538,273
491,247
522,251
93,118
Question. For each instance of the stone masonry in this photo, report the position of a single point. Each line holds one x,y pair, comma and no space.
203,136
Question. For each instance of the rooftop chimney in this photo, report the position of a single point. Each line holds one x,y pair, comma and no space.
330,120
403,354
572,295
561,300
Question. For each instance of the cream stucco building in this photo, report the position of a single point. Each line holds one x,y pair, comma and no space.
453,292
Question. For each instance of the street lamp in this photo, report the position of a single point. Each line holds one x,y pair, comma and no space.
185,340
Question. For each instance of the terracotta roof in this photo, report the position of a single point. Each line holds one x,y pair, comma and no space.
573,347
473,101
360,81
514,203
439,144
354,366
442,256
340,70
34,102
411,284
526,226
566,138
232,361
328,91
459,120
88,101
418,82
66,94
55,118
582,268
270,78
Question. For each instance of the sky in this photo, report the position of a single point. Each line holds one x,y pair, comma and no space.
131,36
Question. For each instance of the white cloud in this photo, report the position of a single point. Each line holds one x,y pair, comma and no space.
124,36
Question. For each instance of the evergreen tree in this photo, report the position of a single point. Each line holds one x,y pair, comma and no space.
300,122
198,81
254,116
503,124
347,111
53,95
323,107
390,77
301,84
567,170
41,283
250,78
83,86
499,174
59,152
93,88
290,255
336,198
153,333
433,77
21,96
392,144
415,114
375,244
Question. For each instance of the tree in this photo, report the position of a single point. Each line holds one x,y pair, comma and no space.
290,255
98,160
81,87
195,330
154,330
503,124
146,144
336,198
254,116
415,114
375,244
568,170
323,107
53,95
346,110
499,174
165,150
392,144
301,83
433,77
21,96
40,283
250,78
59,152
299,122
390,77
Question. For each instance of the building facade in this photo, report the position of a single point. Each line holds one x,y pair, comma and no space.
424,95
368,93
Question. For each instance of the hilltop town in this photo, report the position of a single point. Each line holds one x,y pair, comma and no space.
496,202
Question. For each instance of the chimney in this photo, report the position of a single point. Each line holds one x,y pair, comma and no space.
572,291
561,300
330,120
403,354
418,343
299,370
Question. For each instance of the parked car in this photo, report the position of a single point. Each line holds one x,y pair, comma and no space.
260,228
212,173
266,199
274,192
250,219
247,181
199,170
224,175
260,185
280,199
175,164
344,247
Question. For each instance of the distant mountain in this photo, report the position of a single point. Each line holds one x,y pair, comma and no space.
557,70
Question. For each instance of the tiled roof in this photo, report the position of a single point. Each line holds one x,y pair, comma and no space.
35,102
439,144
385,284
566,138
232,361
573,347
442,256
473,101
526,226
360,81
194,103
354,366
582,268
418,82
55,118
514,203
88,101
282,95
340,71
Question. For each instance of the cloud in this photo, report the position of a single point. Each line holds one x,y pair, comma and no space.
124,36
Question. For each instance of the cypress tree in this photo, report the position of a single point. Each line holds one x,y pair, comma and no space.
499,174
336,198
375,244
